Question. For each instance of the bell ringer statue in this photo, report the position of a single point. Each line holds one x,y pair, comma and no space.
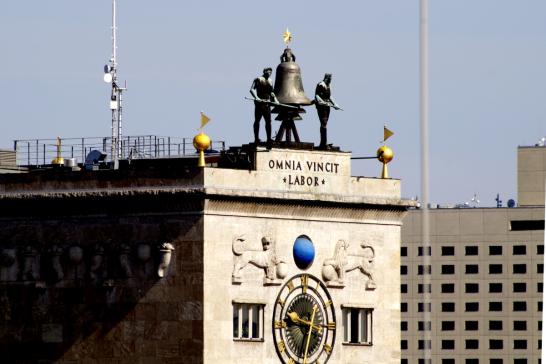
323,102
262,92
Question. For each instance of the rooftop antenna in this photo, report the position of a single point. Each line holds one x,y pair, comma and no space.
110,76
475,200
499,201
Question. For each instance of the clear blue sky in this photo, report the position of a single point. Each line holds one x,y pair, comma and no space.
487,76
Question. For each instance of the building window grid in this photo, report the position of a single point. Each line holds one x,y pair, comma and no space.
248,321
357,325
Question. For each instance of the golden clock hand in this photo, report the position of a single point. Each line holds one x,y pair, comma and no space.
295,318
309,334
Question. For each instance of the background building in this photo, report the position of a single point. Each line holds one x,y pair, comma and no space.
486,267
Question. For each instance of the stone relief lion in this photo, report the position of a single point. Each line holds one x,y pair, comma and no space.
334,269
266,259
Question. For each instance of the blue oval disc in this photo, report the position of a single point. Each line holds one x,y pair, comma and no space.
304,252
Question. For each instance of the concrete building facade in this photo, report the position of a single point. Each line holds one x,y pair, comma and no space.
486,278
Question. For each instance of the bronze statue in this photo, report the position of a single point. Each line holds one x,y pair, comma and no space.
262,92
323,102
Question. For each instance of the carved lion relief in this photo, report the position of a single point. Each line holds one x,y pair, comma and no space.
266,259
335,268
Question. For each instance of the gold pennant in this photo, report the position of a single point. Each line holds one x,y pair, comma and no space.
386,133
204,119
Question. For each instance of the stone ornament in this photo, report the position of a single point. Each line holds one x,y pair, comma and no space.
275,269
8,265
97,261
31,271
125,261
76,269
334,269
55,253
165,256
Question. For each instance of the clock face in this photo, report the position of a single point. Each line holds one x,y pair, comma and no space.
304,321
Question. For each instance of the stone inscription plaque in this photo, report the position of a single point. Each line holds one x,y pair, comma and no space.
309,170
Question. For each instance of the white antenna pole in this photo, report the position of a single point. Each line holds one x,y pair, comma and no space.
115,97
114,30
423,31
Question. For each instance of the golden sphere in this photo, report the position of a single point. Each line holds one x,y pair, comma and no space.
385,154
201,141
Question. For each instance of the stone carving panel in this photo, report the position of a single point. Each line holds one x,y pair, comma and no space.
275,269
334,269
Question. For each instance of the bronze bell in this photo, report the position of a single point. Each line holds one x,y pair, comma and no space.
288,85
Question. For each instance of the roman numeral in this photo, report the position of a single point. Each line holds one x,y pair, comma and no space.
304,282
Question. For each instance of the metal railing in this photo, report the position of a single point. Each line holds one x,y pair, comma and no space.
37,152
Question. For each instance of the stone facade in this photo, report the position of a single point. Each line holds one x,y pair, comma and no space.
145,264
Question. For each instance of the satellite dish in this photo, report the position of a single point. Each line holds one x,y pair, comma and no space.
95,157
106,69
511,203
107,77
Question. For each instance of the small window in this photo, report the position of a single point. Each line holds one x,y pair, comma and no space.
404,326
448,306
403,270
539,287
495,361
448,361
520,344
471,250
424,326
520,268
448,269
520,306
471,344
520,325
448,287
357,325
421,307
404,288
248,321
495,344
540,249
472,287
424,288
421,249
448,325
519,250
448,251
403,307
539,304
520,287
424,269
539,326
540,268
424,344
472,361
495,268
448,344
471,325
495,325
472,306
495,306
404,251
404,345
471,269
522,361
495,287
404,360
425,361
495,250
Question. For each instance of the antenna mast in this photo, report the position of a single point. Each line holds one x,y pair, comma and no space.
110,76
